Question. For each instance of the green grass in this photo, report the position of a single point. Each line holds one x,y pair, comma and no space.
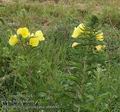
54,73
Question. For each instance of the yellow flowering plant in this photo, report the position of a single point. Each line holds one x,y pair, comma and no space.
25,54
89,57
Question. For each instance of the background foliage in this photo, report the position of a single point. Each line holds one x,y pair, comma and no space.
53,73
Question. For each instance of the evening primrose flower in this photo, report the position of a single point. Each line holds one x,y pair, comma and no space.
78,30
39,35
24,32
100,47
75,44
13,40
100,37
34,41
82,26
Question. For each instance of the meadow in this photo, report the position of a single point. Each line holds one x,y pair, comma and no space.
57,75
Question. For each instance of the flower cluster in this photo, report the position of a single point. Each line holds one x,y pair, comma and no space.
82,29
32,39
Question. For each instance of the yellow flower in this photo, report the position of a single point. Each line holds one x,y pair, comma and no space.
34,41
100,47
74,44
78,30
100,37
82,26
24,32
13,40
39,35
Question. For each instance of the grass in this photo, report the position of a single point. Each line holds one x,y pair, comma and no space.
54,73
